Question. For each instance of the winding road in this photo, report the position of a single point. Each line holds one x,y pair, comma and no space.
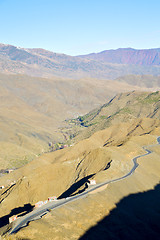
38,213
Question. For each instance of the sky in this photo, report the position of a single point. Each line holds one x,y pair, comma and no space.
78,27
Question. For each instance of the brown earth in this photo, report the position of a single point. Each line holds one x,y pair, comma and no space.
54,173
74,219
32,110
121,108
43,63
141,80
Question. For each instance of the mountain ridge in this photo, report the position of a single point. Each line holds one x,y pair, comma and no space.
106,154
45,63
32,109
123,107
127,56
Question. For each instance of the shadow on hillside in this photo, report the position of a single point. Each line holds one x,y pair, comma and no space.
20,211
70,191
136,217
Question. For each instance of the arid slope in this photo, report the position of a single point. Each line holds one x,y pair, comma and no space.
32,109
122,108
43,63
54,173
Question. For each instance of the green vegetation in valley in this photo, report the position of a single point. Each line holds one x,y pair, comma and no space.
121,108
149,99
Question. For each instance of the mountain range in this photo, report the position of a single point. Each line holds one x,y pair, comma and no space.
108,64
32,111
99,111
143,57
33,108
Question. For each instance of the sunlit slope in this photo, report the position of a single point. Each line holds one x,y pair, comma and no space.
43,63
121,108
32,109
124,207
149,81
23,132
54,173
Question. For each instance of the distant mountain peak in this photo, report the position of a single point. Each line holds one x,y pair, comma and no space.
108,64
127,56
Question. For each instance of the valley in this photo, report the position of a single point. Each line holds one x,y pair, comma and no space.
79,120
33,112
66,121
39,213
82,160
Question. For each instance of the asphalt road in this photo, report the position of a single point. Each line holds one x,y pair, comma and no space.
38,213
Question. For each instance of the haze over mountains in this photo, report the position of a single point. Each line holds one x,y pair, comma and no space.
105,65
102,107
144,57
33,108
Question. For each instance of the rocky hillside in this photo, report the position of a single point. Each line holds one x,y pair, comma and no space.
149,81
64,173
43,63
134,122
128,56
123,107
57,171
32,109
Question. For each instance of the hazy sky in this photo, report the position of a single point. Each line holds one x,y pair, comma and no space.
80,26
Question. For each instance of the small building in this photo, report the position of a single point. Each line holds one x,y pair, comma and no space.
39,204
50,144
1,187
13,183
10,170
92,182
50,199
64,146
12,219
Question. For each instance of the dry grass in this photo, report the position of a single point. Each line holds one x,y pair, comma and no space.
74,219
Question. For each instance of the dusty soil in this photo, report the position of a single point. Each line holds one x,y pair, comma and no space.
65,167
